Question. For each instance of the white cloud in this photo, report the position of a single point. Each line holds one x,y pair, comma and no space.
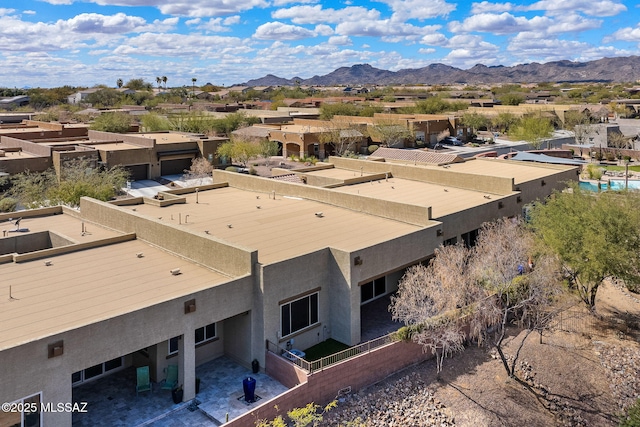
532,47
285,2
4,11
28,12
318,15
339,41
280,31
486,7
214,25
324,30
418,9
426,51
627,34
191,8
588,7
504,23
181,45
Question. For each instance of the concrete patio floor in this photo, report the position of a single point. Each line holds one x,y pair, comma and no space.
112,400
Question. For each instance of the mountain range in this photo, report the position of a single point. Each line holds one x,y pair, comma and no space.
605,70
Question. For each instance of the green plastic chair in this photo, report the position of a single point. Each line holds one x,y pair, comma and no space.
143,383
171,380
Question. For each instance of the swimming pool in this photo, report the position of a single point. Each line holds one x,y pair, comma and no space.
614,184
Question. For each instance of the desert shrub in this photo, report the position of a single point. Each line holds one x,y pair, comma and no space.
232,169
8,204
253,171
632,417
372,148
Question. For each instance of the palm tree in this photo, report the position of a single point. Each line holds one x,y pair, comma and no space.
119,83
193,82
164,80
158,81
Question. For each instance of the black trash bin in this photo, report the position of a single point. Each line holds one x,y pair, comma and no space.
255,366
249,387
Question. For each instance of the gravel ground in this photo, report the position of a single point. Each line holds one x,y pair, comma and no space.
415,398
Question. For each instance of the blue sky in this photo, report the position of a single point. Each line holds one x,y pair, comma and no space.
48,43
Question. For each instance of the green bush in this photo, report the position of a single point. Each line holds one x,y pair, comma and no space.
8,204
632,417
372,148
232,169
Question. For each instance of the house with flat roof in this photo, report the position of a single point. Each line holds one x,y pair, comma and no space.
37,146
191,275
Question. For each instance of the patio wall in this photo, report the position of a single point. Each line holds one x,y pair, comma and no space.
323,386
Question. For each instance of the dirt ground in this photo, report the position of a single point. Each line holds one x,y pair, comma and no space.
580,377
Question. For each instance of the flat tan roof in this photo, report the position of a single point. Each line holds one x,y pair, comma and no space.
442,199
338,173
280,229
113,146
166,138
519,171
88,286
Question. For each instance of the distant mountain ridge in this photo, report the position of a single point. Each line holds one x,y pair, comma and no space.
618,69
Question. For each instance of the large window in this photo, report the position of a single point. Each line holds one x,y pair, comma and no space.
97,370
373,289
299,314
202,335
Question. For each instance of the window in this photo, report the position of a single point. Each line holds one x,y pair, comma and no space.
96,371
469,238
202,335
299,314
28,418
206,333
450,242
373,289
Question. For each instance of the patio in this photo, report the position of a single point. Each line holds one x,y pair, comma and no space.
375,319
112,400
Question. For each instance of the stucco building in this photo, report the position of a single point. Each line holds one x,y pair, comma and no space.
194,274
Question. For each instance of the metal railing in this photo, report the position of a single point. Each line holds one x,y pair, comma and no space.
318,365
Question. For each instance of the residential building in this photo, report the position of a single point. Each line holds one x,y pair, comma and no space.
193,274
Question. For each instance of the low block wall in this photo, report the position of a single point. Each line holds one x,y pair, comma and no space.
411,214
323,386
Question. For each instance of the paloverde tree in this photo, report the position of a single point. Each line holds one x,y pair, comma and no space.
239,150
77,179
533,129
491,284
389,133
595,236
475,121
341,133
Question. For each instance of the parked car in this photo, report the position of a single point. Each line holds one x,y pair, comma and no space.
452,140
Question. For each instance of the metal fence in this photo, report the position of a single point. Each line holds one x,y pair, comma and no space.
332,359
576,321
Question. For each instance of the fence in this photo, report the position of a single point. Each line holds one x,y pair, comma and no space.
576,321
320,364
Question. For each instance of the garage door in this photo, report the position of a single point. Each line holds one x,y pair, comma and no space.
175,166
137,172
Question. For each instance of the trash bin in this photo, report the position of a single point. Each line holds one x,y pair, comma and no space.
249,387
255,366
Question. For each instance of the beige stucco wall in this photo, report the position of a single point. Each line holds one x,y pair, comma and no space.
96,343
201,248
489,184
412,214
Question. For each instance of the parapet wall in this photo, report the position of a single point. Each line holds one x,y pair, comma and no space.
27,146
442,176
221,256
411,214
130,139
